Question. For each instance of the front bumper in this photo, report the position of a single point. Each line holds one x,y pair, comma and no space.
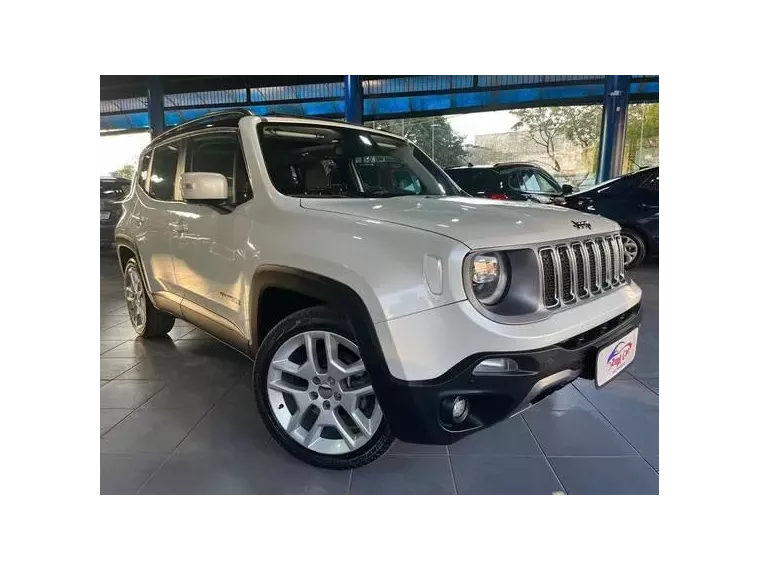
415,410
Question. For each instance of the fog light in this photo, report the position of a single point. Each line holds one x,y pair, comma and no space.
460,409
496,366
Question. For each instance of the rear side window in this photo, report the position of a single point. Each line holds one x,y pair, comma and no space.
142,175
164,172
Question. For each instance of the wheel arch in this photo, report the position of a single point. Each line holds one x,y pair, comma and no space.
125,249
312,289
638,229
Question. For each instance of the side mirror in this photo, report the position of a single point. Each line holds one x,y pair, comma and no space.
567,189
201,186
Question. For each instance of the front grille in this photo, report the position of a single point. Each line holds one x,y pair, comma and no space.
579,270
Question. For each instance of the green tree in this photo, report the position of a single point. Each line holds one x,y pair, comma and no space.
543,125
642,137
579,125
448,149
126,171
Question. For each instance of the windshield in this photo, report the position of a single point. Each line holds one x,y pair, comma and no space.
341,162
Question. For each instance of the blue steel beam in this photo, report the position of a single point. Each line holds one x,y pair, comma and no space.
353,99
613,126
408,105
155,106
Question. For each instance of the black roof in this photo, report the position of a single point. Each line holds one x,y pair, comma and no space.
496,165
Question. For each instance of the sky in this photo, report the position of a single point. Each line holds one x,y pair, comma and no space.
118,150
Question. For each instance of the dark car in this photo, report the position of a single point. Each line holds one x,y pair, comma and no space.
510,181
112,193
633,202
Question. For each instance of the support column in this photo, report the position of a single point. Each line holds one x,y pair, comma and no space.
354,100
613,127
155,105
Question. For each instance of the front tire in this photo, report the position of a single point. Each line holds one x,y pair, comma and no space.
147,321
315,395
634,248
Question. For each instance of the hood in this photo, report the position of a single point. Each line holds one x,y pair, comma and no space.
475,222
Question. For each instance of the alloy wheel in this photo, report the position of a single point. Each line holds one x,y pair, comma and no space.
321,395
134,291
631,249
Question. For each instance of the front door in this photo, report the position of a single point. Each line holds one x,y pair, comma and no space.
208,262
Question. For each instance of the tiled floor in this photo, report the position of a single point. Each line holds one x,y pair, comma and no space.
177,416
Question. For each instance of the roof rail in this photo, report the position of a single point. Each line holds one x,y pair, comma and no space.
226,118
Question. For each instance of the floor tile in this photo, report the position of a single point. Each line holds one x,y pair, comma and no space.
619,394
403,448
567,398
199,395
606,475
576,433
124,473
233,425
142,348
112,367
152,431
651,382
494,475
639,428
179,332
178,368
120,332
108,321
404,475
197,334
510,437
243,473
655,461
109,418
128,394
106,345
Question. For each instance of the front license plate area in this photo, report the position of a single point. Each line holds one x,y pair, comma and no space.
615,357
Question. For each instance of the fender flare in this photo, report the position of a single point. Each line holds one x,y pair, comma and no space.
332,293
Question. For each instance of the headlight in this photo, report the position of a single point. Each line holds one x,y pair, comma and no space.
489,276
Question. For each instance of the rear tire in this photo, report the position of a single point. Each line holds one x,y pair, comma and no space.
317,401
147,321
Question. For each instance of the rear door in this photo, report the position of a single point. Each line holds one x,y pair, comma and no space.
148,221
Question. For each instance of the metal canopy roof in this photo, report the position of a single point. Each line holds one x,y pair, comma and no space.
125,84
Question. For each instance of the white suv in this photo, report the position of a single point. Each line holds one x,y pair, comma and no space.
377,299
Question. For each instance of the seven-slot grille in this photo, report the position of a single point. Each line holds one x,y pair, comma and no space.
577,270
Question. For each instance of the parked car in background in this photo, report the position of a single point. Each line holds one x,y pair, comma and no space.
483,182
112,193
533,181
633,202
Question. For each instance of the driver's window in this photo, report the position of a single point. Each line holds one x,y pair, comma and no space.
213,153
536,183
